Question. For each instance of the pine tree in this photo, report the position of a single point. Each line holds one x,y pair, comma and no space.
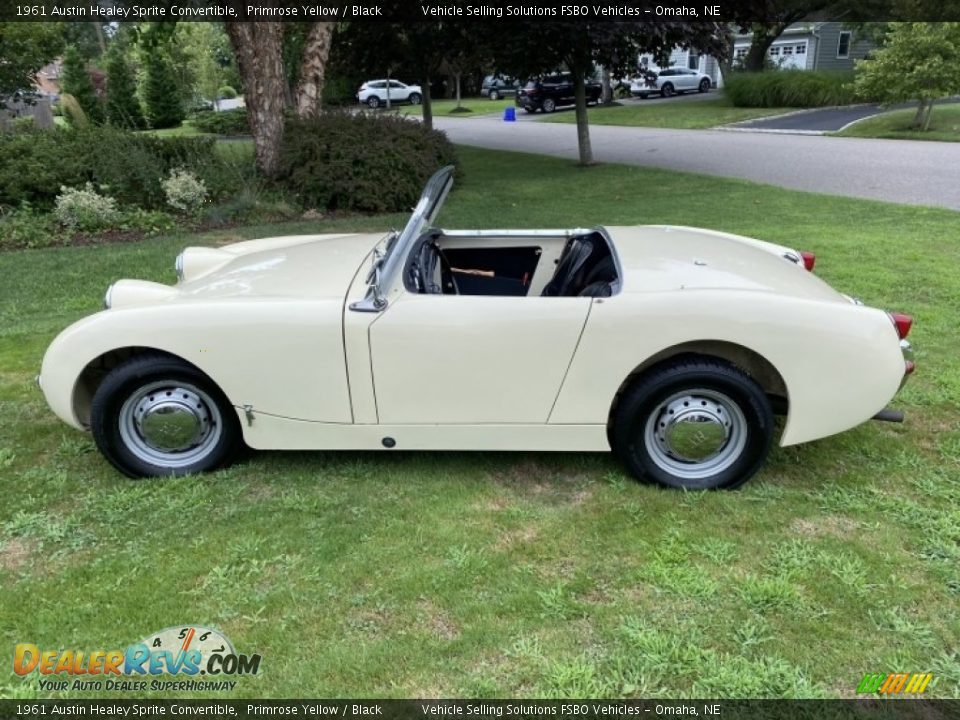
75,81
122,106
161,96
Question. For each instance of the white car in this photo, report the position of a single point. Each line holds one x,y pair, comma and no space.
670,81
672,346
376,93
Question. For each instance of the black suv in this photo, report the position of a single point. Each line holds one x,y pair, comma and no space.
496,86
550,91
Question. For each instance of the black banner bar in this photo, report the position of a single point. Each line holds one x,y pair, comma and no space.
865,709
424,11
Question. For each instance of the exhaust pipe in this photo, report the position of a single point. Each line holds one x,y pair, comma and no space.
888,415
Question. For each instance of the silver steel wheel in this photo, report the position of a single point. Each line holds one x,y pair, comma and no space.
170,423
695,434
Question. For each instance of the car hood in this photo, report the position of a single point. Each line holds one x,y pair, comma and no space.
299,266
660,258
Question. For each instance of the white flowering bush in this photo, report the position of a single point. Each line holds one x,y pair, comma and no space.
184,191
85,209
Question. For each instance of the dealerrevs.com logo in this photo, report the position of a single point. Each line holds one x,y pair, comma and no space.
184,652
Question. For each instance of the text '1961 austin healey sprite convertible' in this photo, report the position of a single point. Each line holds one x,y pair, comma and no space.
672,346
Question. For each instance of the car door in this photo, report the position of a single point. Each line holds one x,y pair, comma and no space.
399,92
689,79
473,359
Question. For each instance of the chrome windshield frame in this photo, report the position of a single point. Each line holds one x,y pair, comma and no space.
386,270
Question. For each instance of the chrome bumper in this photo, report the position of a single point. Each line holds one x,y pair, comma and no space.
908,365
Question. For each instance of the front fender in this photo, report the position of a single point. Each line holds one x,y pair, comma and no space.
279,356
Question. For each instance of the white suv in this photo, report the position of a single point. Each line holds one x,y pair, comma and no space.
375,92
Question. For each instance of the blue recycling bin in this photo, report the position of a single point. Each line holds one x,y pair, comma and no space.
510,114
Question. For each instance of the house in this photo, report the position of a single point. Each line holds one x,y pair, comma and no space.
811,46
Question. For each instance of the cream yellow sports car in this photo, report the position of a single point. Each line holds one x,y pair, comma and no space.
672,346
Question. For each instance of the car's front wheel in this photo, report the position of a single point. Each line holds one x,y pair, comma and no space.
157,415
494,95
704,85
415,99
697,424
549,105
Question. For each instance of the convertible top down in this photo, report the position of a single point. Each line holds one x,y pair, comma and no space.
672,346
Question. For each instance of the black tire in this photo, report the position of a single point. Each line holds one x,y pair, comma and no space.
415,99
549,105
667,90
667,401
129,450
373,102
494,95
704,85
531,110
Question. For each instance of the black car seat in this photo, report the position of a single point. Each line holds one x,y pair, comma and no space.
570,268
600,279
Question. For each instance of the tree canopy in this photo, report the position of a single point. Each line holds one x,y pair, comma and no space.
919,61
25,47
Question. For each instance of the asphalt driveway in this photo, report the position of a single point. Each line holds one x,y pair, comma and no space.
822,120
900,171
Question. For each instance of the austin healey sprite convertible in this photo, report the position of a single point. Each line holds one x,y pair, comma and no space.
672,346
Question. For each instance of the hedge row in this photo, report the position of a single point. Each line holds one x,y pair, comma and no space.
790,88
35,164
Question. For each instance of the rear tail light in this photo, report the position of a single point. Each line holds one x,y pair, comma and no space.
902,323
809,259
909,367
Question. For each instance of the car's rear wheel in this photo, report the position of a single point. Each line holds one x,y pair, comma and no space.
157,415
415,98
667,90
373,101
549,105
697,424
494,95
704,85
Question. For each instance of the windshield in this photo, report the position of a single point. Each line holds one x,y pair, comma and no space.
388,260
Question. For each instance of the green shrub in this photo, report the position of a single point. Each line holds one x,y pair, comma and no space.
790,88
226,92
34,165
26,228
373,163
85,209
227,122
184,191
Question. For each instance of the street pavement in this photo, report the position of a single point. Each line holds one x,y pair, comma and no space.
899,171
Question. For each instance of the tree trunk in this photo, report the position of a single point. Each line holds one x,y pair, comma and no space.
98,29
763,37
607,91
313,67
583,125
427,103
921,112
458,90
258,49
926,118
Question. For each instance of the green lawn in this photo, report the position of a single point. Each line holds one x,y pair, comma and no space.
185,129
476,106
944,125
689,115
501,575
